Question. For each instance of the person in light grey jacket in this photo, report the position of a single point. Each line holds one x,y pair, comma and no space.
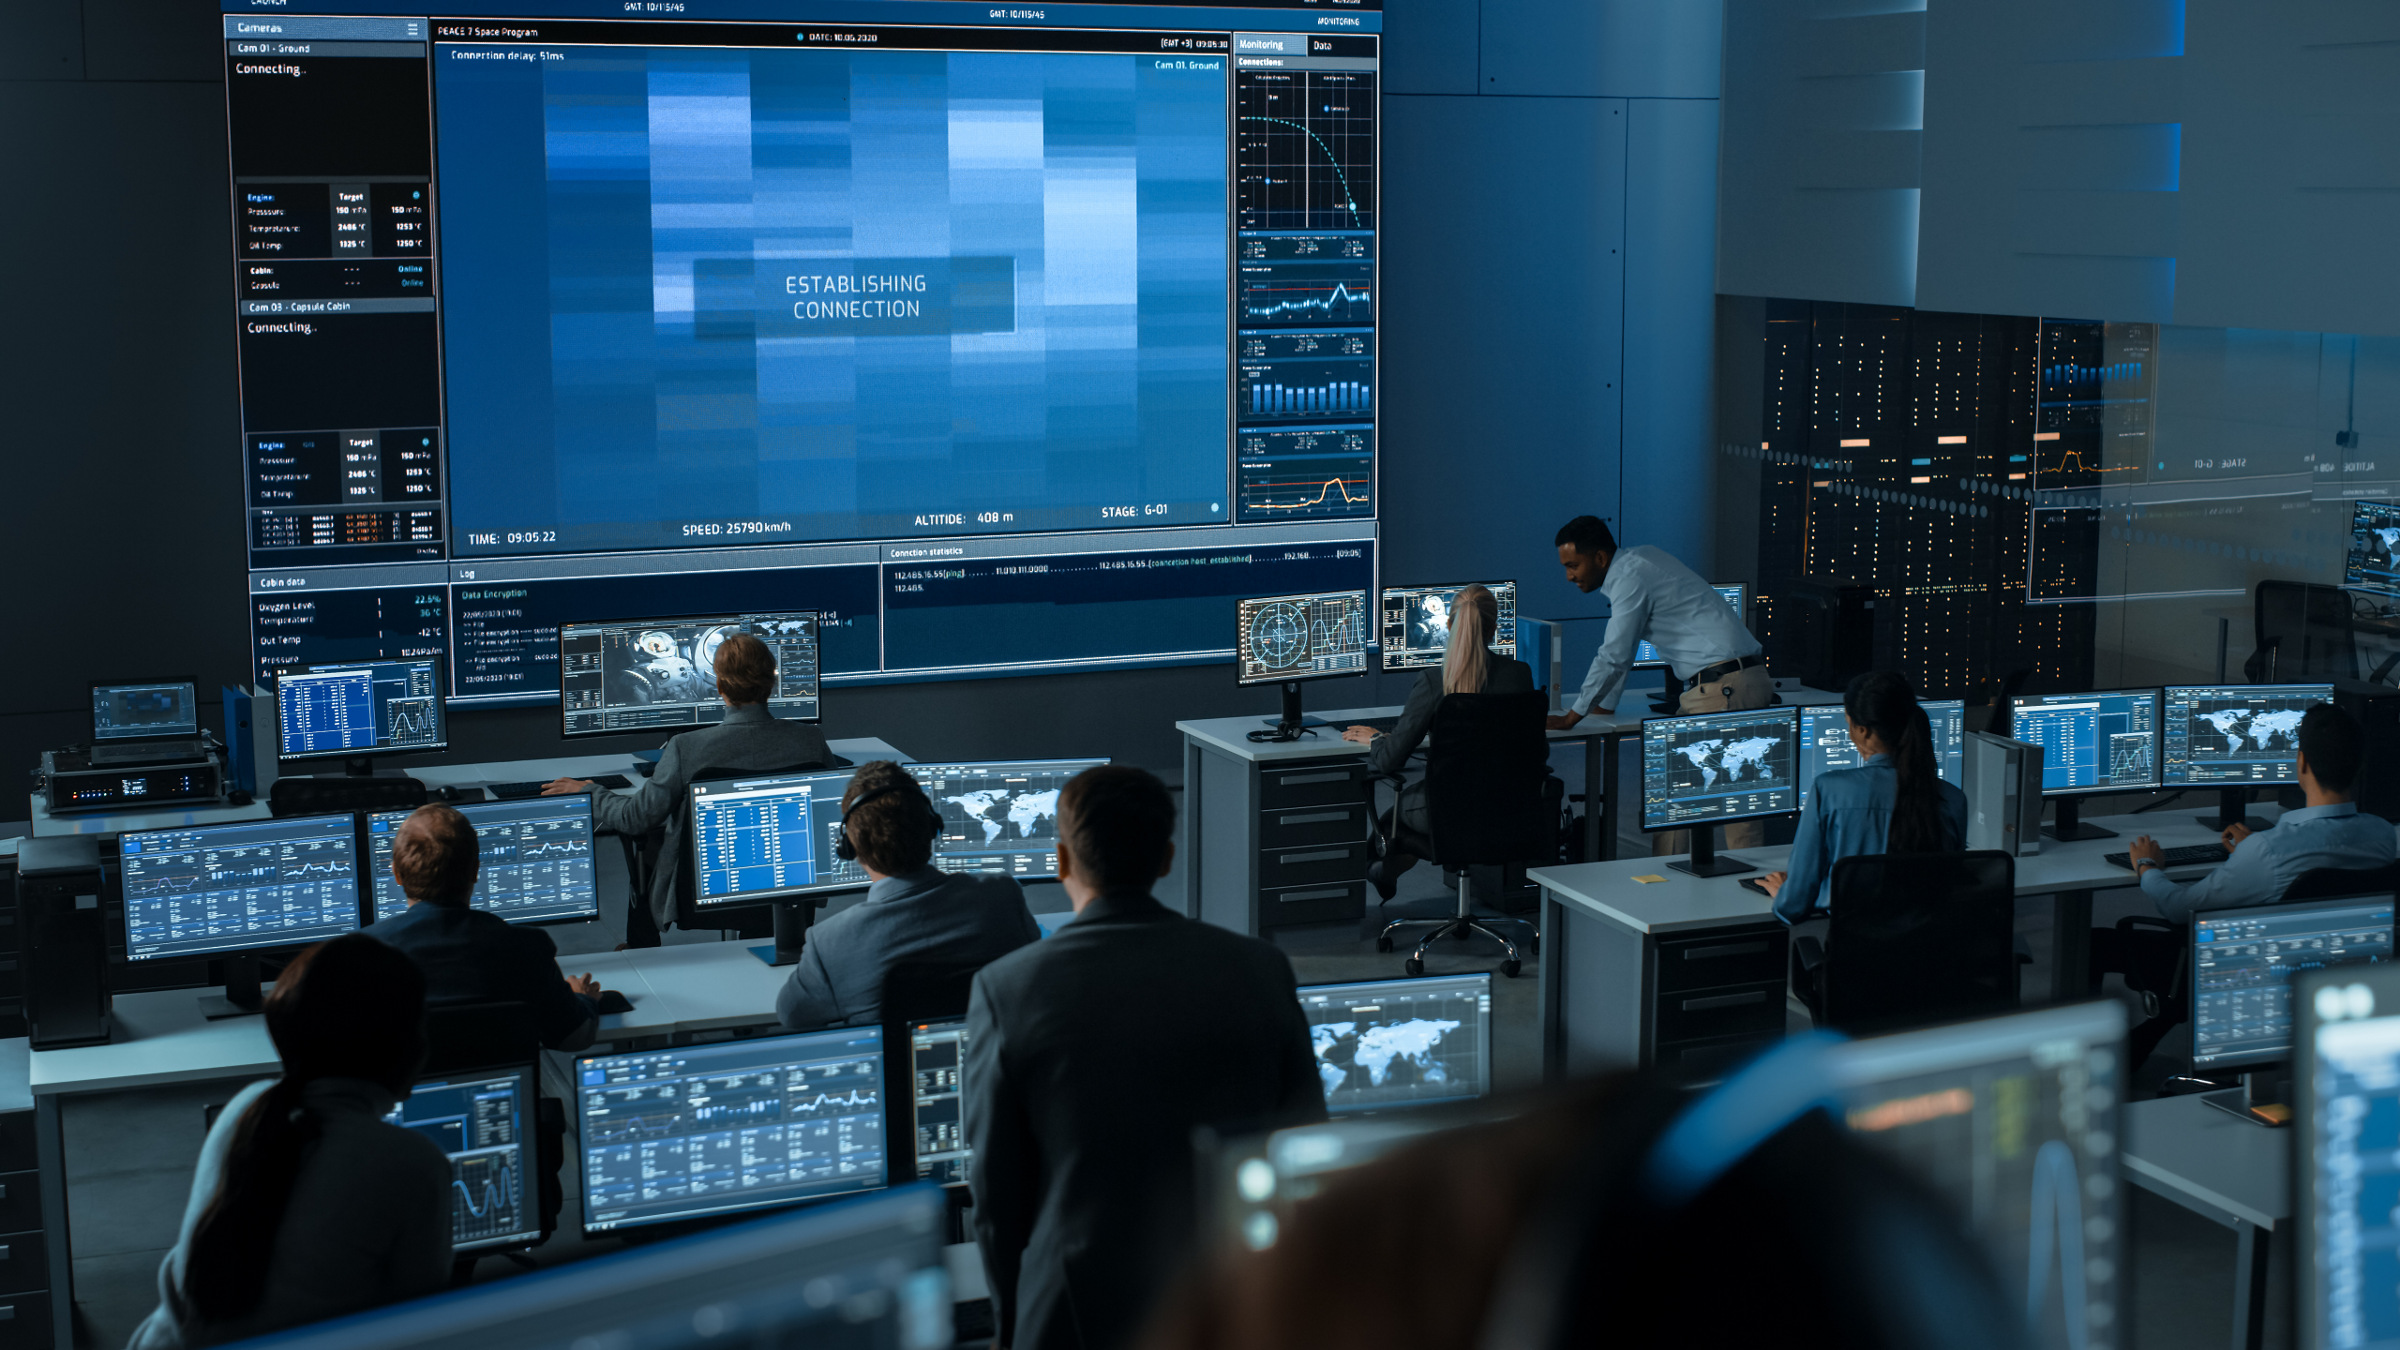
914,912
307,1204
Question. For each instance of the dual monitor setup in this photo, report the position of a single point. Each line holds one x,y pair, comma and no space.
1708,769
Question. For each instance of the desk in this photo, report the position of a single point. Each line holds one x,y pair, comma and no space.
1607,1003
2224,1168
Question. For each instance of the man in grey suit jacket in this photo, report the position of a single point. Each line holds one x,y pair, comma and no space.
1091,1057
750,738
914,912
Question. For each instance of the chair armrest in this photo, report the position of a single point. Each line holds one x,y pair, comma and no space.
2133,921
1810,951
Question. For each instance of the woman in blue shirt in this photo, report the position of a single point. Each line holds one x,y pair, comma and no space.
1895,802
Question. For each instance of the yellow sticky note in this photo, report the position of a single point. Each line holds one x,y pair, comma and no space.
1648,880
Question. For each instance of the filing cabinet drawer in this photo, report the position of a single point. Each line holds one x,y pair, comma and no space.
1310,785
1322,823
1312,904
1312,866
12,976
1730,1010
16,1142
20,1202
24,1263
25,1322
1704,1061
1722,958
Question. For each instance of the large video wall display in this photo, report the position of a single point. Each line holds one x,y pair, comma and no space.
1005,339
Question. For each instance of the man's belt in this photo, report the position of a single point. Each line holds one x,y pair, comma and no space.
1724,668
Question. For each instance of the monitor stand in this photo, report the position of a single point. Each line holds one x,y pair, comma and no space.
243,995
793,918
2261,1099
1704,861
2233,804
1291,726
2069,826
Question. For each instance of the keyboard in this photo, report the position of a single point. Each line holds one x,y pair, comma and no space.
1379,723
512,791
2190,855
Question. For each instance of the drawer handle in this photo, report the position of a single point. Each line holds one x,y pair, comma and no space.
1758,948
1312,818
1321,855
1724,1001
1299,779
1329,893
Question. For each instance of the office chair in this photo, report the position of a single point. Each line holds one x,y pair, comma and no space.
1913,939
323,796
2327,883
1486,762
923,991
463,1037
2303,631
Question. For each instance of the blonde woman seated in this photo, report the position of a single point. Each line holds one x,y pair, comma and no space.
1470,667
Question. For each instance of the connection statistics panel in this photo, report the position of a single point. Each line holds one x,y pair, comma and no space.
1030,342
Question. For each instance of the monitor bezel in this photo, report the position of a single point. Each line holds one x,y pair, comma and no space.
2350,559
529,1094
92,692
566,733
900,1079
441,712
1789,710
366,826
2191,973
1366,666
1484,1048
2166,696
2158,739
2308,1022
691,834
362,907
693,1222
1383,593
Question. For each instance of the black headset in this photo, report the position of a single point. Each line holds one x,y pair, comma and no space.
847,851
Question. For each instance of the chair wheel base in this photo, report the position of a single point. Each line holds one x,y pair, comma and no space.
1511,968
1382,943
1413,966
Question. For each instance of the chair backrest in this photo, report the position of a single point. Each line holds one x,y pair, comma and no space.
322,796
480,1036
917,991
2326,883
1919,938
1485,758
2303,631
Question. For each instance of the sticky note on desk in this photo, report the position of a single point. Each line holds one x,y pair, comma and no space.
1651,879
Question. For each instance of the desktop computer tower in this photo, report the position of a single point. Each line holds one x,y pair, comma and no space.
66,945
2377,708
241,747
2004,794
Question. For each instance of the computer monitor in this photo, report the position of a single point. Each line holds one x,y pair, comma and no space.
360,709
144,710
2374,561
704,1131
654,674
536,859
2232,737
1284,639
2014,1120
865,1272
235,889
1702,770
2091,743
1736,593
1252,1182
999,816
2346,1128
484,1121
771,837
1825,741
937,1062
2243,962
1383,1044
1416,623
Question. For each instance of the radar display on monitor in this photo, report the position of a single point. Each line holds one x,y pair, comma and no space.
999,816
1389,1043
641,674
1416,622
1301,637
2235,734
1713,767
2374,561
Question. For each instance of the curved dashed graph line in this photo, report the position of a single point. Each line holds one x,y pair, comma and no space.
1349,198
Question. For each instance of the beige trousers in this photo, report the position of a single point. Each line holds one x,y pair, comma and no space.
1738,692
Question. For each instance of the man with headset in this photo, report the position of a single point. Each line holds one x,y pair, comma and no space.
914,911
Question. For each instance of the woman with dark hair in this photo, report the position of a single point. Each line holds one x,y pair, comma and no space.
307,1204
1895,802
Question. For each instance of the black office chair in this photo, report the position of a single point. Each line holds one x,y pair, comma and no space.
1486,762
2327,883
2302,631
463,1037
324,796
1913,939
924,991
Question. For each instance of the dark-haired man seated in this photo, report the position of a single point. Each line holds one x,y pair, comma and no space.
469,956
914,912
1094,1054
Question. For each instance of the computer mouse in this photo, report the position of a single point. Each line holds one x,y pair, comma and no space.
613,1002
445,793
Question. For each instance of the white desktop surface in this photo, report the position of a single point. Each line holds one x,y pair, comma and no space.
2209,1160
1683,901
711,986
